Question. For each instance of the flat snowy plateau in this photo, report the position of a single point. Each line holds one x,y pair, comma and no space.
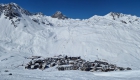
69,75
114,38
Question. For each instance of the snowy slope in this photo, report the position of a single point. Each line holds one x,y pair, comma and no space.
114,37
69,75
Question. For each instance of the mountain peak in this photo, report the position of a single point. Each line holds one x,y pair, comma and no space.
13,10
58,12
59,15
13,4
115,15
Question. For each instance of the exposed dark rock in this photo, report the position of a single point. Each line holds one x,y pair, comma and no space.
6,71
10,73
116,15
13,10
36,21
123,22
59,15
128,68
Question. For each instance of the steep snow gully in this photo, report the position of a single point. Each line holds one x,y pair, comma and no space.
114,38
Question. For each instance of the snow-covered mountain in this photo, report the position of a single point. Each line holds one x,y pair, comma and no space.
114,37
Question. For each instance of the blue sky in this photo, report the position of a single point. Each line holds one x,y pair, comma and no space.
82,9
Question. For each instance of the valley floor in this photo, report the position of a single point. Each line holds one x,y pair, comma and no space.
68,75
11,63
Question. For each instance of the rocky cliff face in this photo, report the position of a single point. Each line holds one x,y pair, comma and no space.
59,15
12,10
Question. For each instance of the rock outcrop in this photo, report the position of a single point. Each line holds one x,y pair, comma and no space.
59,15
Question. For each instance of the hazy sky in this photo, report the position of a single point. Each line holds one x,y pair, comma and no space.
82,9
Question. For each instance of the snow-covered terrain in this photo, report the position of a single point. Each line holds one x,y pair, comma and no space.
114,38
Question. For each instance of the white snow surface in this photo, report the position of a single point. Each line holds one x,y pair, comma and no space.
99,37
